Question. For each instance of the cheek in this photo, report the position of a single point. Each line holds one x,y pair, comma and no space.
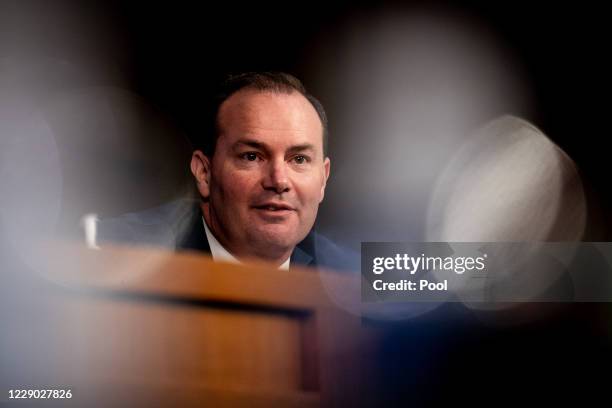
237,187
309,192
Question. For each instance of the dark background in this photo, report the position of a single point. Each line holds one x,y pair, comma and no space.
177,50
174,52
170,53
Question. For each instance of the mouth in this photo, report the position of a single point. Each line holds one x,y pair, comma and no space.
274,208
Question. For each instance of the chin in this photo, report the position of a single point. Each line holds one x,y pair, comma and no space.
273,236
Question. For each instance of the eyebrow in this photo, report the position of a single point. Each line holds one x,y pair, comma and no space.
262,146
301,148
251,143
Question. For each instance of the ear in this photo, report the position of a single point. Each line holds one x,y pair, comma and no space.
201,170
326,167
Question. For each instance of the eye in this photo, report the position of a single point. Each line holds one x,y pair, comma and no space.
301,159
250,156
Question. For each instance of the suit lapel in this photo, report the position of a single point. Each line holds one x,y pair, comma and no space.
300,257
304,252
194,237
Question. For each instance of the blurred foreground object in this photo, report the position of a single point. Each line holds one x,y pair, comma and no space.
184,331
510,183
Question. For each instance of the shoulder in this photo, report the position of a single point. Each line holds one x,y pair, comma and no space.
329,254
158,226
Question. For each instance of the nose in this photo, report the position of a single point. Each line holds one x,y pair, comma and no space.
276,178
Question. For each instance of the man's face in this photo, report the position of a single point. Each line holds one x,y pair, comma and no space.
267,175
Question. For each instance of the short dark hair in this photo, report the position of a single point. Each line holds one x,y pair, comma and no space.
278,82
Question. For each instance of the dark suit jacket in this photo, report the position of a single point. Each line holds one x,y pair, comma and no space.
178,225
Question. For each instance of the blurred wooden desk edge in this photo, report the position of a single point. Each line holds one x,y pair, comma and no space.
136,392
192,275
142,321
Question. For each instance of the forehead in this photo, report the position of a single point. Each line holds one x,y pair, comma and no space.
277,118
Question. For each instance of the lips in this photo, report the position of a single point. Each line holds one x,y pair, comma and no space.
273,206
